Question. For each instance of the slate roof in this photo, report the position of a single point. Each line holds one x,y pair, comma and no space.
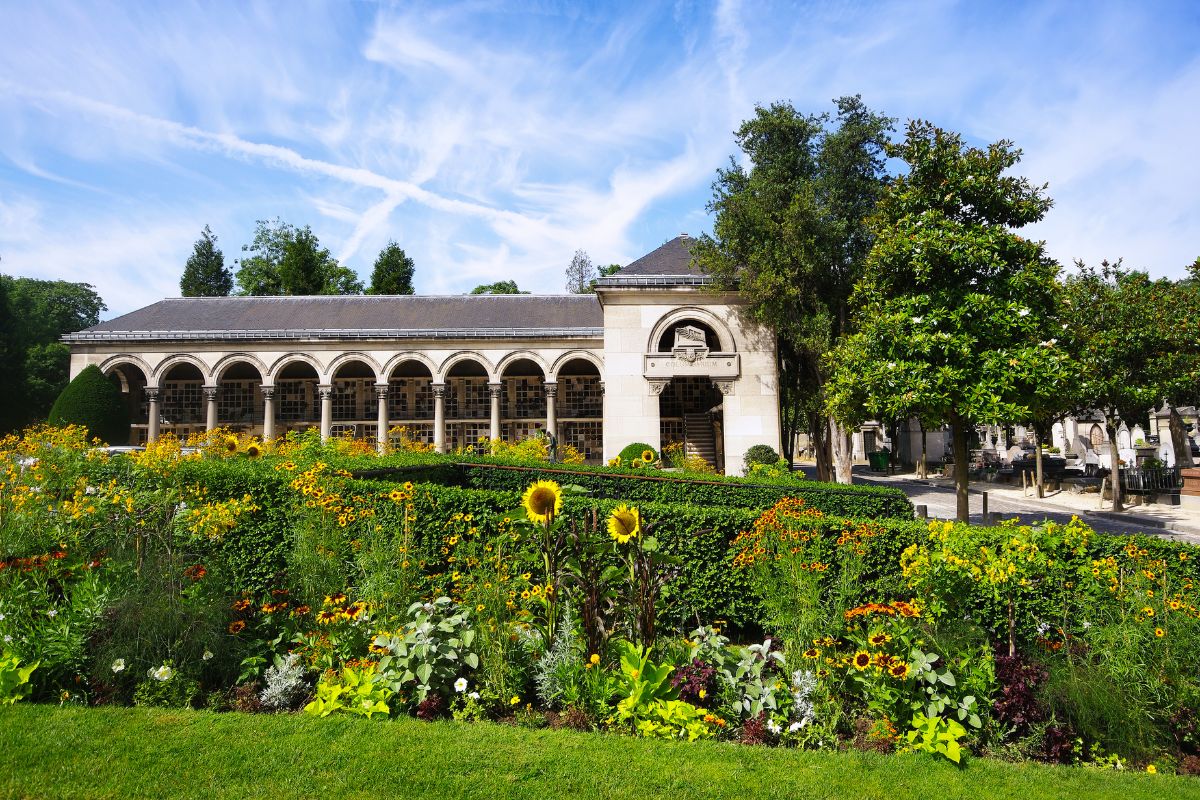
669,265
356,317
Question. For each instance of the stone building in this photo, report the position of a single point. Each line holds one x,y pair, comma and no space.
654,356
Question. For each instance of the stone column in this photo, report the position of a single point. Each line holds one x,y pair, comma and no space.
439,417
551,415
381,421
152,414
495,390
268,393
326,392
210,400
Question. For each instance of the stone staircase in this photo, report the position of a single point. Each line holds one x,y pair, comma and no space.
698,437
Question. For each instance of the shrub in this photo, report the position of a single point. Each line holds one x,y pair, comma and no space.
760,454
93,401
637,450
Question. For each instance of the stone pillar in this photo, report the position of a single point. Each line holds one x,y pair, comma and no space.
268,393
551,414
439,417
381,421
152,414
210,400
495,391
326,392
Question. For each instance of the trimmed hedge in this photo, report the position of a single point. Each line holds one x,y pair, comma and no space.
640,486
91,400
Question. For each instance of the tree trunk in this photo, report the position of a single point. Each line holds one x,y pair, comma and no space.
1118,504
1179,441
1041,485
820,445
923,468
842,445
962,473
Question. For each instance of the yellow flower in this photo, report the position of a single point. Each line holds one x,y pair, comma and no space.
1151,769
231,444
516,700
862,660
624,523
542,501
703,693
594,659
1159,632
636,463
253,450
647,456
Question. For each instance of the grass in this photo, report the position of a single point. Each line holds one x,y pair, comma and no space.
47,752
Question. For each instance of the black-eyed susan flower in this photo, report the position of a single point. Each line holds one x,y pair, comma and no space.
1159,632
812,652
542,502
624,523
861,660
236,627
879,639
898,670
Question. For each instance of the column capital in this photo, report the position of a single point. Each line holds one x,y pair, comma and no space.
657,384
725,387
495,389
210,392
151,393
268,392
381,390
551,389
601,385
324,390
439,389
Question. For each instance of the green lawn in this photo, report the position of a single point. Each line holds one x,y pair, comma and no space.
47,752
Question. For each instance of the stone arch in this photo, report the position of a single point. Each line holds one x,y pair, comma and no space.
464,355
345,358
523,355
170,362
219,369
395,361
113,362
292,358
688,313
572,355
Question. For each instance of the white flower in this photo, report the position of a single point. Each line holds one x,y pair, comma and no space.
918,320
474,695
1024,312
163,673
52,613
1,617
7,639
460,685
1086,624
118,665
795,726
774,727
207,655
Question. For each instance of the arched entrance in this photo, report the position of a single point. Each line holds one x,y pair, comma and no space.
354,401
131,380
522,400
581,408
467,405
410,400
181,400
297,401
239,398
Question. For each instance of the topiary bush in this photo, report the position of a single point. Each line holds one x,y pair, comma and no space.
760,454
637,450
91,400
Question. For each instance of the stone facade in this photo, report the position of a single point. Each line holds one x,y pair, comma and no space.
654,356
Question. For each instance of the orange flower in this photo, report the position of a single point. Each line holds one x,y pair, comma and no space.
237,626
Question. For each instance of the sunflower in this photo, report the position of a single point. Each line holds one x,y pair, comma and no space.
624,523
231,444
648,456
236,627
253,450
542,501
862,660
880,639
636,463
898,670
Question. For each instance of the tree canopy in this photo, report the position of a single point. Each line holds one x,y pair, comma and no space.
285,260
790,233
34,315
956,314
581,273
499,287
205,273
93,401
393,272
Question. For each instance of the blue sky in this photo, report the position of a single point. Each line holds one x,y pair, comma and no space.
491,140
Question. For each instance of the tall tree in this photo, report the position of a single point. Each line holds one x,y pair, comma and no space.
393,272
290,261
955,312
790,233
205,274
499,287
581,273
1136,340
603,272
39,312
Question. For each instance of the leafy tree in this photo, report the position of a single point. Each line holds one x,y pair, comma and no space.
956,313
33,318
581,273
499,287
95,402
285,260
790,233
1136,341
603,272
393,272
205,274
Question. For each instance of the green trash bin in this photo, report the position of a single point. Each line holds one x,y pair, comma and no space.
878,460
